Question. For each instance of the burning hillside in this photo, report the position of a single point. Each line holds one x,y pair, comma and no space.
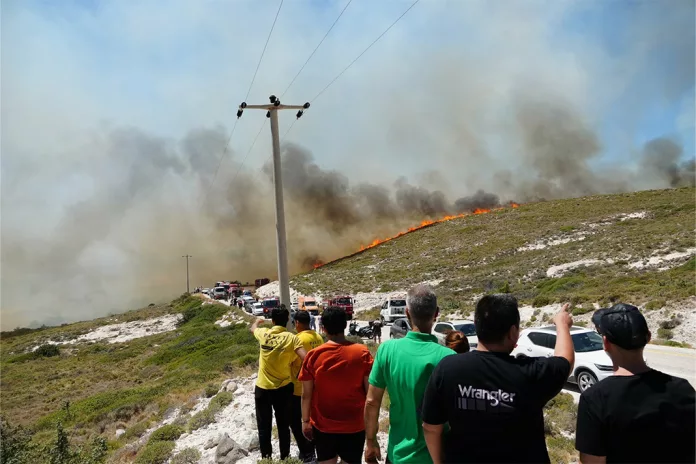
425,223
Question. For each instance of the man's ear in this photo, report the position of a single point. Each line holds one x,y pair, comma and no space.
649,337
605,343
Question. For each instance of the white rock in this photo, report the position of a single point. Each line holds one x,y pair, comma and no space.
231,387
120,432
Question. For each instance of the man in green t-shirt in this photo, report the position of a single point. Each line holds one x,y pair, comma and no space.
403,367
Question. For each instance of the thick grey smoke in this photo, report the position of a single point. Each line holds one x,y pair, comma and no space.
96,220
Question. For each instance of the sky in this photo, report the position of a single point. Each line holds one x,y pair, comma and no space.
434,100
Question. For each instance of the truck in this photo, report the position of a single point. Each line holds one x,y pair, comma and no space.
268,305
235,289
344,302
307,303
261,282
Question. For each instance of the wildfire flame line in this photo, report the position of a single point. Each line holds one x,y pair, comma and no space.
424,223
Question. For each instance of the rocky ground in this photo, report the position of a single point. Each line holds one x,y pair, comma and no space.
233,437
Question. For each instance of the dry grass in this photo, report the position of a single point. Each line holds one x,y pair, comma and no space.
479,254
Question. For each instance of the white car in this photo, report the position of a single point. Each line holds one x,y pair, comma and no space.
592,364
392,309
466,327
294,306
257,309
206,291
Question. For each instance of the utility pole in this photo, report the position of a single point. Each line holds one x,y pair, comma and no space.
272,113
187,272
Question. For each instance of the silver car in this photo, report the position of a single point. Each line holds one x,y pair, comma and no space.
399,328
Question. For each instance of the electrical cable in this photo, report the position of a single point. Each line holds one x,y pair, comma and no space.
364,51
316,48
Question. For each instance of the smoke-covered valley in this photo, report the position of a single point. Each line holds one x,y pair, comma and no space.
95,220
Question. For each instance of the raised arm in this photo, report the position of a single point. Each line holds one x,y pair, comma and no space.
301,352
255,325
564,344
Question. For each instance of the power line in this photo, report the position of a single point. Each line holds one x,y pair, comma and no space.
316,48
224,152
264,50
293,79
239,169
364,51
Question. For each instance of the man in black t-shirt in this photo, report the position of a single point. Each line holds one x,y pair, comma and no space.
492,401
639,414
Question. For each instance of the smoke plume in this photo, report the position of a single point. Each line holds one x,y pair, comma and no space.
96,215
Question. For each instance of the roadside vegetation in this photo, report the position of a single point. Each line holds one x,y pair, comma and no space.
91,390
480,254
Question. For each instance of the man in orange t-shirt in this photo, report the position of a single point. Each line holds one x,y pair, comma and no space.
334,386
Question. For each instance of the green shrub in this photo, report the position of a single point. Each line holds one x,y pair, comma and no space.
221,400
200,419
15,443
188,315
210,390
580,310
671,323
166,433
536,312
580,323
155,453
47,351
186,456
561,413
655,304
532,319
665,334
247,360
289,460
136,430
671,343
541,301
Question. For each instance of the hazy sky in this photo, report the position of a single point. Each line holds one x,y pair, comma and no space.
436,94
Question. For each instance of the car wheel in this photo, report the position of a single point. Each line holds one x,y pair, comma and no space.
585,380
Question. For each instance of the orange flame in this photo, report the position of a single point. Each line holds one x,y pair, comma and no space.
424,223
318,263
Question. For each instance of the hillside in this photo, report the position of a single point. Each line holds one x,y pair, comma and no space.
634,247
174,378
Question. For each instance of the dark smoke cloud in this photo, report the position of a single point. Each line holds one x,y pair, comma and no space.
478,200
662,158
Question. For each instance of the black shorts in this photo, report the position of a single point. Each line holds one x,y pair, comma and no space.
348,446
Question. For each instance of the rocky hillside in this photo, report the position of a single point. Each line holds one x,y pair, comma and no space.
635,247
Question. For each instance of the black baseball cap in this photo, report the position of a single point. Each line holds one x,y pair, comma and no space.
623,325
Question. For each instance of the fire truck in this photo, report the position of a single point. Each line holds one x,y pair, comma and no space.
261,282
343,302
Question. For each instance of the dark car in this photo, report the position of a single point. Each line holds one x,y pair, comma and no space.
399,328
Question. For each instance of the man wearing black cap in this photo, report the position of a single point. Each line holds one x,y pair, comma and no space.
639,414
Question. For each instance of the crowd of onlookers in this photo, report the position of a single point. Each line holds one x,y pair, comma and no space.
449,404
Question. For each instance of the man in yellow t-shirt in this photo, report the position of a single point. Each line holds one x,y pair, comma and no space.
274,386
310,340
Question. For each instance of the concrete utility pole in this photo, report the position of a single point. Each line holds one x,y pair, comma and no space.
187,272
272,112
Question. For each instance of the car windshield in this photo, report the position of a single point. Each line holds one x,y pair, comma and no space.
310,303
219,289
587,341
467,329
344,301
271,303
397,303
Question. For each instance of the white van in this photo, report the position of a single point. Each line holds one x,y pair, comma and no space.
392,309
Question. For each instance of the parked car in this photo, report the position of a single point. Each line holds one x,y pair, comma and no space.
294,306
399,328
219,293
257,308
592,364
206,291
466,327
392,309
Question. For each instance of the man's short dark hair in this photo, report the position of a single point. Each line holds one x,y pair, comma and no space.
280,316
334,320
494,316
302,317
